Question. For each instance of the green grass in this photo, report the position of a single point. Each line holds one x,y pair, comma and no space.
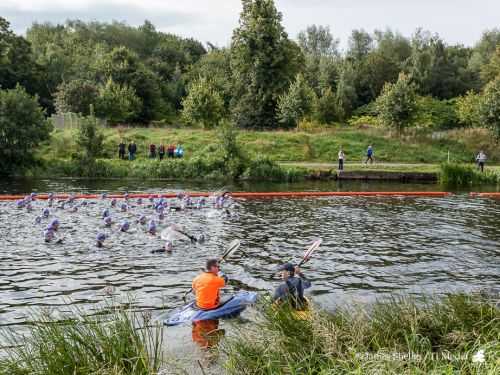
106,343
441,336
298,153
452,174
299,146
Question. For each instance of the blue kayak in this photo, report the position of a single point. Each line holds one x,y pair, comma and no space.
229,309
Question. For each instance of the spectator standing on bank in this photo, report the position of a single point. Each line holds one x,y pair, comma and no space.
161,151
481,159
121,150
152,151
179,151
132,150
341,159
369,155
170,151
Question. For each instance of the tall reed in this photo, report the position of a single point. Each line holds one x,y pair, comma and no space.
120,342
398,336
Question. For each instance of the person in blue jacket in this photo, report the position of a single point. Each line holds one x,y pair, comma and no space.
369,155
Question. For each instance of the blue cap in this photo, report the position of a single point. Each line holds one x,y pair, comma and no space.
101,237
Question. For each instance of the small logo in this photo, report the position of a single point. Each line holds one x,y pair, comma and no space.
478,357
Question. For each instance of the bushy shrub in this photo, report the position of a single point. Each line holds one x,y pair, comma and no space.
436,114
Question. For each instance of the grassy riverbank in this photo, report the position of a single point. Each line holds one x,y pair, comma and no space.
275,156
296,146
396,337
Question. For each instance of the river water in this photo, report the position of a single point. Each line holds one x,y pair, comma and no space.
372,247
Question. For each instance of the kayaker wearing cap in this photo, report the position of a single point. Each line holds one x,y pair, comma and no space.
292,289
207,286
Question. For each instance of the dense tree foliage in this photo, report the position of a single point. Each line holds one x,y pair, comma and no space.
203,105
489,111
139,74
22,127
76,96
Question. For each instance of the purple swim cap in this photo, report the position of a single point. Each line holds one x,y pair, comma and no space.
152,227
45,212
101,237
124,226
54,223
123,207
107,220
105,213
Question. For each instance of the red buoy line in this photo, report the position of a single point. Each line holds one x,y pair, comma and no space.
249,195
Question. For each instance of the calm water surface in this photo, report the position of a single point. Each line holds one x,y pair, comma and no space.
372,247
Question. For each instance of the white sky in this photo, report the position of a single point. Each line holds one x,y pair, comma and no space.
457,21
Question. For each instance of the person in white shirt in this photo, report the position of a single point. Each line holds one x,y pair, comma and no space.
341,159
481,159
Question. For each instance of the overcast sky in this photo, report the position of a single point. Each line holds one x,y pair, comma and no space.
457,21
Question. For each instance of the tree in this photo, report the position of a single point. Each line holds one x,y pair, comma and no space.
17,64
318,41
440,70
90,141
489,108
76,96
326,107
468,107
295,104
491,70
346,92
215,66
203,105
118,103
263,62
396,104
360,44
22,127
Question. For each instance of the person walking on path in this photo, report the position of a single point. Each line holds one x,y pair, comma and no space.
341,159
369,155
121,150
481,159
132,149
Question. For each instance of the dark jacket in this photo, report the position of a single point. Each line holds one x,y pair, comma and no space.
293,291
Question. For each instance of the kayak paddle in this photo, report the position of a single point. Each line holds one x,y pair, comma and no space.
309,252
233,246
165,235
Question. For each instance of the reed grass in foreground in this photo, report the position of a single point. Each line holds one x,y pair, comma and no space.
458,334
104,344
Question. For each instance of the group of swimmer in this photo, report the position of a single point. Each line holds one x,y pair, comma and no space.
160,206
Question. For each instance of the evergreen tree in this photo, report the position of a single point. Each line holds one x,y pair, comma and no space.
263,62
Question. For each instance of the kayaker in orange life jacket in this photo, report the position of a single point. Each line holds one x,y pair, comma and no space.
207,285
